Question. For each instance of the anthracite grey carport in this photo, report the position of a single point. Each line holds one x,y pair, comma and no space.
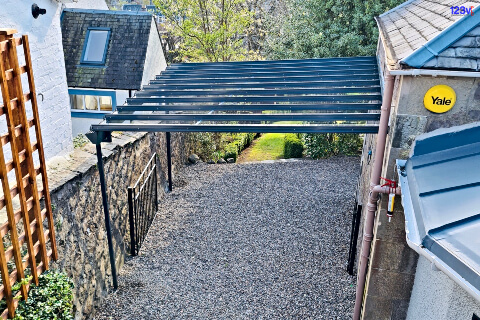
334,95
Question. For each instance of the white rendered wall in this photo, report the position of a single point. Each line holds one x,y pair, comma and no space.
88,4
436,297
155,60
82,125
48,68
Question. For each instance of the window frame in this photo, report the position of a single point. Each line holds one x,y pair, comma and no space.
105,50
77,113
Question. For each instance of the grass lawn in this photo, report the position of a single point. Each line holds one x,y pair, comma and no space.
268,147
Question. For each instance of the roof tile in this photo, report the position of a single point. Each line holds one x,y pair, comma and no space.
126,49
412,24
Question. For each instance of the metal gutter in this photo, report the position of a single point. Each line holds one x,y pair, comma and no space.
443,40
435,73
414,240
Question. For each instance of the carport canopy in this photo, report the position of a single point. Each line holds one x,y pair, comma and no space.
312,95
334,95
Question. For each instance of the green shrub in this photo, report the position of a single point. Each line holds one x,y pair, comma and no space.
214,146
319,145
324,145
231,151
239,141
51,299
293,146
349,144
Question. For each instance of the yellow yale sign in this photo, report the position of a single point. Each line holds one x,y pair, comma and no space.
439,99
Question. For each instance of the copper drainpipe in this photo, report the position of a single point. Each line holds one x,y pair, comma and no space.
375,189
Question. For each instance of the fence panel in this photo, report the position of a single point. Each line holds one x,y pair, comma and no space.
142,205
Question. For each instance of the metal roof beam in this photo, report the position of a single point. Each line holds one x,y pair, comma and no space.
267,85
348,60
339,107
249,75
236,128
309,117
368,76
266,92
307,66
218,99
241,70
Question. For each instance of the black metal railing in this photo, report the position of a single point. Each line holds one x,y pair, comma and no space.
357,214
142,204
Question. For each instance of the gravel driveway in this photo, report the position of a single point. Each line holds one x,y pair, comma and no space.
246,241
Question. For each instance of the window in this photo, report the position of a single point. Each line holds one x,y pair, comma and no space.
92,103
96,45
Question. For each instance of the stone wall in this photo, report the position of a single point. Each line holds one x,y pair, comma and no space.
392,265
78,211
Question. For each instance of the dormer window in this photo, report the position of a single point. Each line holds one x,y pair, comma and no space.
96,46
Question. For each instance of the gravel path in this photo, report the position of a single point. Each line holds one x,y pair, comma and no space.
246,241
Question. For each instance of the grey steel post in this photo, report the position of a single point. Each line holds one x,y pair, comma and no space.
169,161
101,172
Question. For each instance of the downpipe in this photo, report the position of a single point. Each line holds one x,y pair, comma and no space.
375,190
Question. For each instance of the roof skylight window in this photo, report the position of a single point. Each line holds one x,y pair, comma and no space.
96,45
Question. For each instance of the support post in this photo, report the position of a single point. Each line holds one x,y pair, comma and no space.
101,172
131,219
169,161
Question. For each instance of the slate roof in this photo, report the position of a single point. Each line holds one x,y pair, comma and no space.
126,53
440,187
414,24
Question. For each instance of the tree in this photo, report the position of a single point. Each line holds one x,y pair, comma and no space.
324,28
211,30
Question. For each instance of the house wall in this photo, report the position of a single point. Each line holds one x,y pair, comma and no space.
391,272
48,68
155,59
436,297
82,124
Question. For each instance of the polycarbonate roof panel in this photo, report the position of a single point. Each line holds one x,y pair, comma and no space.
441,190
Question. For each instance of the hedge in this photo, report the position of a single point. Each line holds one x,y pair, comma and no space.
324,145
239,143
293,146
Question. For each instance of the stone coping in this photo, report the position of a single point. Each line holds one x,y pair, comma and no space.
62,169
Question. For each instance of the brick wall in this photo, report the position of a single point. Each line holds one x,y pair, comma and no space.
48,68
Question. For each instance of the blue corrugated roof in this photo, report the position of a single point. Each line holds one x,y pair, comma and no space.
441,196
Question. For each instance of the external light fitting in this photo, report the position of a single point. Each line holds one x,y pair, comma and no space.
36,11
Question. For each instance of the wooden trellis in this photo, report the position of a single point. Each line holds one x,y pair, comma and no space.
29,243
